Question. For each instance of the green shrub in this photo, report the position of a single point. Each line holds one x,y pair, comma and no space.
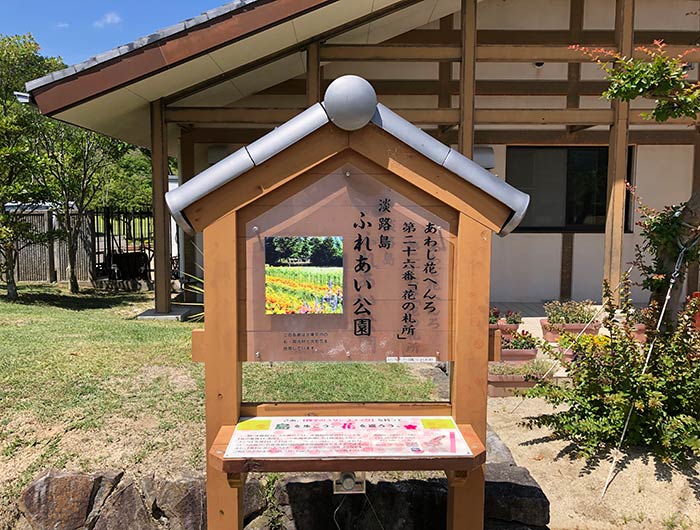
569,312
494,315
607,377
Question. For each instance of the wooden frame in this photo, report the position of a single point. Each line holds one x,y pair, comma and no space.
220,345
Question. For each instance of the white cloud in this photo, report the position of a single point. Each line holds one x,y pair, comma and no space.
108,19
62,25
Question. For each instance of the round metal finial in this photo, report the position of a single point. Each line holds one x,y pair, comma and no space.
350,102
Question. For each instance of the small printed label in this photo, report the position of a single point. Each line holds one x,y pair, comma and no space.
417,359
254,425
411,359
438,423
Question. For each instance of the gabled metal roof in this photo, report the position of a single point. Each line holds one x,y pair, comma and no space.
156,36
350,104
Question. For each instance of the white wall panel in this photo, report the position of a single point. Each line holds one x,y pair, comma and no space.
523,14
525,267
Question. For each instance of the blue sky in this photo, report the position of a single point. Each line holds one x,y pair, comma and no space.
77,30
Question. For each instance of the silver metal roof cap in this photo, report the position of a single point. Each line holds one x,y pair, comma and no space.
350,102
457,163
288,134
243,160
203,184
409,134
500,190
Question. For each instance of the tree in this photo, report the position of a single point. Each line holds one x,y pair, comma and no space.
129,185
664,80
75,164
20,193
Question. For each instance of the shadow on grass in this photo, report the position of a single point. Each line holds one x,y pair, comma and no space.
88,298
663,470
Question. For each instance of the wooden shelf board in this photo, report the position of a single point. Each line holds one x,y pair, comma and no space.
378,463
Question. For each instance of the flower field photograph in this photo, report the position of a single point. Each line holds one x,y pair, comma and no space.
303,275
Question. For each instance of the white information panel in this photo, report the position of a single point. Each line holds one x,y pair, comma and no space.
347,437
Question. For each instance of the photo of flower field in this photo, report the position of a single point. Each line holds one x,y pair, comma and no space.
303,275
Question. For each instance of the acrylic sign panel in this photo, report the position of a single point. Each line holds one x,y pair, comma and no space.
347,437
383,296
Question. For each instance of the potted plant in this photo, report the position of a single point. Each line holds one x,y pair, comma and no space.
638,319
506,379
519,347
572,347
494,316
510,323
570,316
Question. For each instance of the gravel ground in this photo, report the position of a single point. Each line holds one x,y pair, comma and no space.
644,495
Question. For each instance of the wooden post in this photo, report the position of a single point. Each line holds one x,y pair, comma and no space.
445,78
467,85
465,504
313,74
573,101
222,371
161,217
617,158
188,253
693,269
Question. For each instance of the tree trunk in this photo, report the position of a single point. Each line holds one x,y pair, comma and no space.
690,216
72,259
72,243
10,264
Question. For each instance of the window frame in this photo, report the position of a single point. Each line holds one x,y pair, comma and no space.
583,229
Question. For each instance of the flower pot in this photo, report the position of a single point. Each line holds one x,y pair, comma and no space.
493,326
552,332
507,330
508,385
640,333
518,356
567,354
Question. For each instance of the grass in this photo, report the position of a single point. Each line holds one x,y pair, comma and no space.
333,382
86,386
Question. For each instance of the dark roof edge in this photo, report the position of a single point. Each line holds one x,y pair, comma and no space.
141,42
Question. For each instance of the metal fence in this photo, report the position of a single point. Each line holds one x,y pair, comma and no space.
114,245
123,244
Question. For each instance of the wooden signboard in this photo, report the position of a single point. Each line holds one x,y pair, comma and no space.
346,234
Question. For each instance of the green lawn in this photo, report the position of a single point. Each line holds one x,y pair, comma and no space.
84,385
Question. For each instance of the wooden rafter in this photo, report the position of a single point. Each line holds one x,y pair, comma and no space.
423,116
430,87
587,37
242,136
484,53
